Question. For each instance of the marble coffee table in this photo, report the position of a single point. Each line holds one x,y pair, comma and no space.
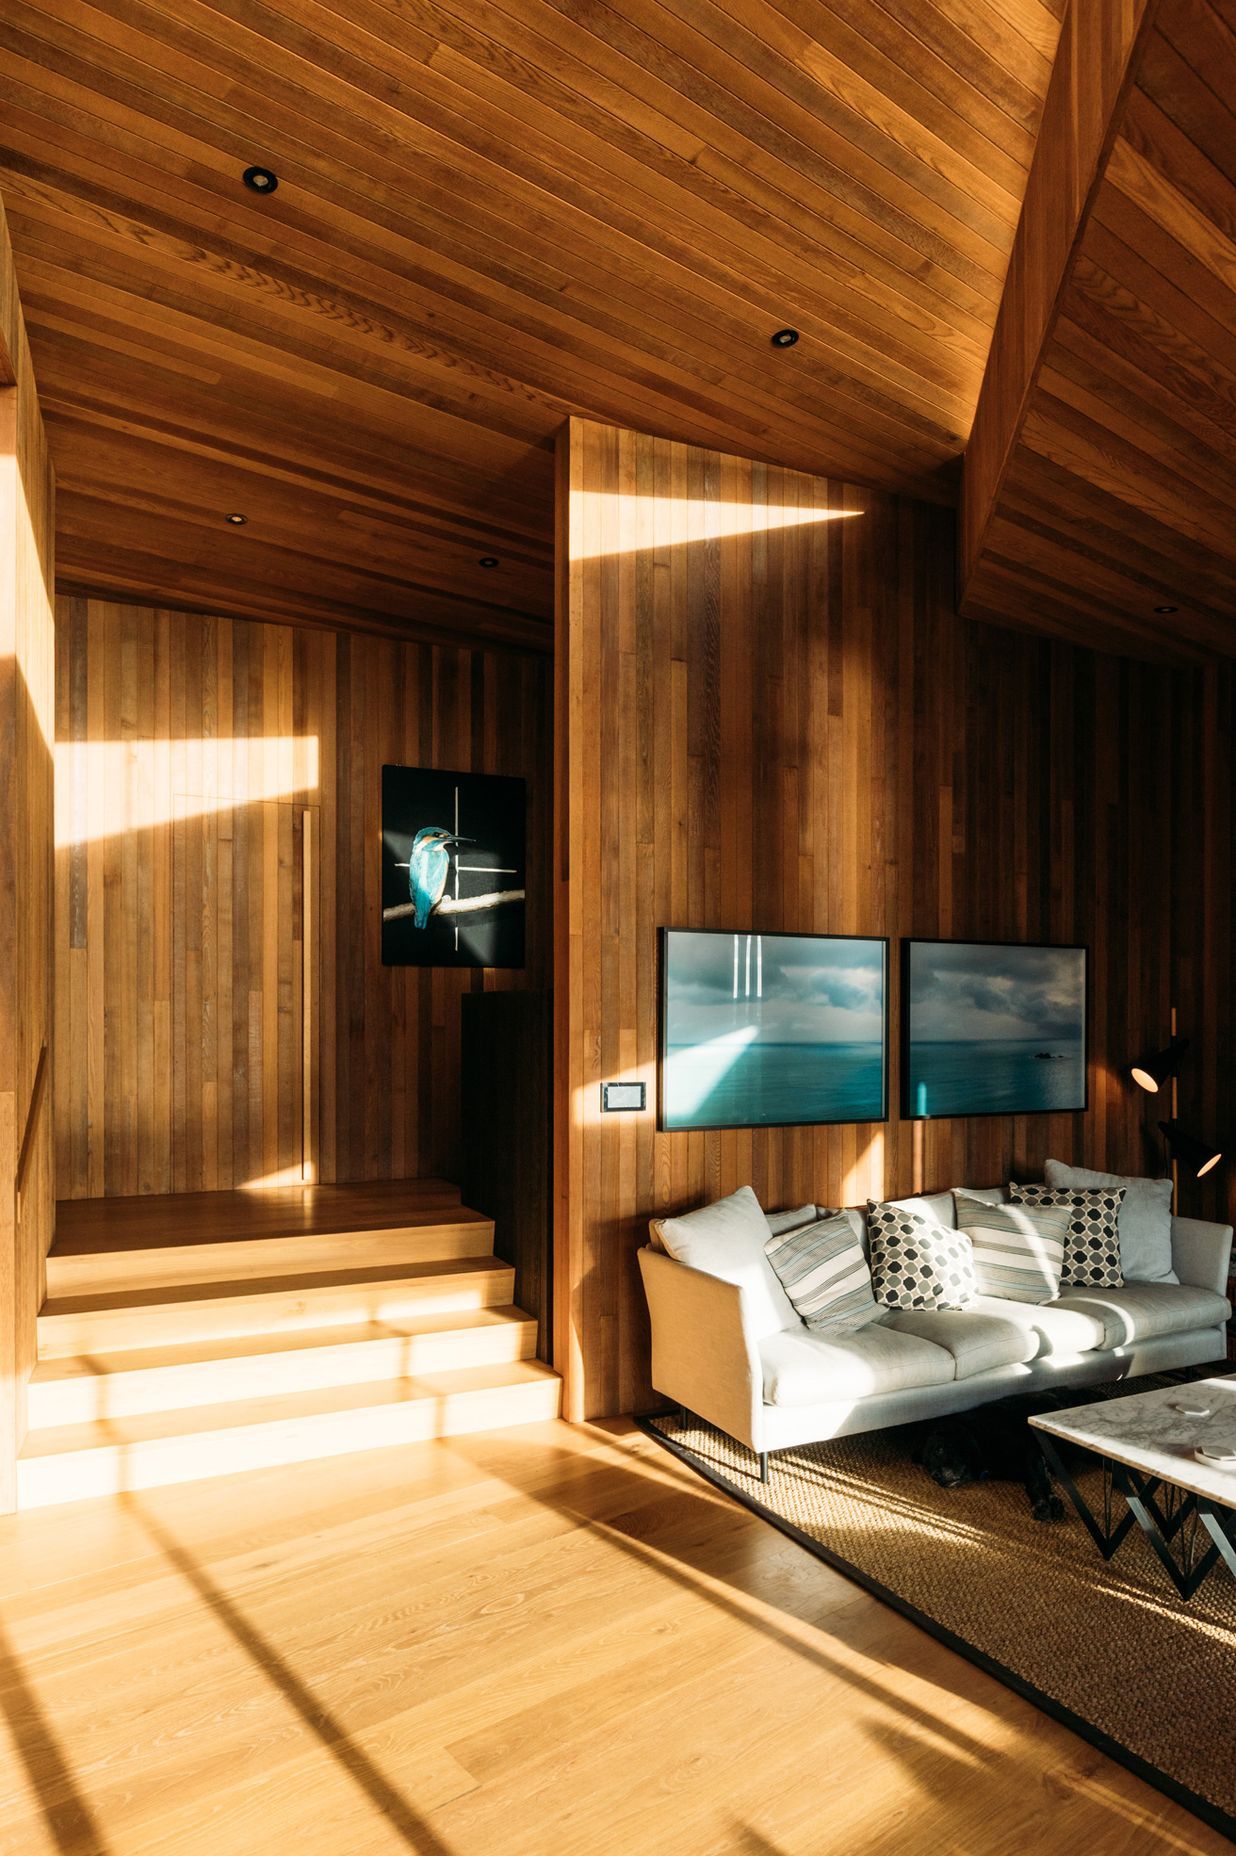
1147,1444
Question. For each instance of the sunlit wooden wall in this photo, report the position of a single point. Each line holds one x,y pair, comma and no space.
770,717
27,645
223,1015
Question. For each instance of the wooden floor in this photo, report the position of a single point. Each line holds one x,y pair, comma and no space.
553,1641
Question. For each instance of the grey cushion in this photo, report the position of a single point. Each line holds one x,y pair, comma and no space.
1049,1326
727,1239
792,1220
801,1368
822,1268
979,1343
1145,1218
1140,1310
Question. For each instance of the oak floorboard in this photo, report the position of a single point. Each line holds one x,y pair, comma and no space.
556,1639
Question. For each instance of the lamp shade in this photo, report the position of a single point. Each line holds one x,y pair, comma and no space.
1196,1156
1152,1072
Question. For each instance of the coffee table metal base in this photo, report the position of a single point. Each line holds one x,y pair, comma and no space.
1161,1523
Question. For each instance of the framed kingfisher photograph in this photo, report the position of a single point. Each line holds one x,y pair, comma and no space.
453,877
772,1030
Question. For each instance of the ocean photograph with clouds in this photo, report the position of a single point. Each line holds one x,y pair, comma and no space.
992,1029
771,1030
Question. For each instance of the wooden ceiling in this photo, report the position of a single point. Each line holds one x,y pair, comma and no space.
490,214
1112,513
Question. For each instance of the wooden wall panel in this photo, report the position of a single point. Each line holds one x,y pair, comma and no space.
195,756
27,647
771,716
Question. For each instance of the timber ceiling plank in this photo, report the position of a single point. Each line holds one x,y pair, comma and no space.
492,214
1121,476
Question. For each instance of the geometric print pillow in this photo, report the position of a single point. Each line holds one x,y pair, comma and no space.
824,1272
917,1262
1092,1247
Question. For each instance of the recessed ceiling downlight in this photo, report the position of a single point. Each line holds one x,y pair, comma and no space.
1167,608
784,338
488,560
261,180
237,520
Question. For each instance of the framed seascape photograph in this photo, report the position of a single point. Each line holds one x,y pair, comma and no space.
771,1030
453,880
992,1028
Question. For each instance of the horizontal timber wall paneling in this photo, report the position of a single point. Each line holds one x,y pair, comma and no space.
770,718
195,754
27,649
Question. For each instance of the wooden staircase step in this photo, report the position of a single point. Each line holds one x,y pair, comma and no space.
272,1211
113,1455
206,1311
127,1263
80,1389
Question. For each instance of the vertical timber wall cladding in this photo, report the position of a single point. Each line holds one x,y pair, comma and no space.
27,647
223,1013
770,716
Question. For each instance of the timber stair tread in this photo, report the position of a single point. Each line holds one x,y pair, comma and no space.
84,1225
121,1268
298,1340
211,1371
225,1288
147,1427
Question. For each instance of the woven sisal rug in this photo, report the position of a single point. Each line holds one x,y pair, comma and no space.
1109,1649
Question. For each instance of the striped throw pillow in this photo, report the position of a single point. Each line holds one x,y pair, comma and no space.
823,1270
1018,1249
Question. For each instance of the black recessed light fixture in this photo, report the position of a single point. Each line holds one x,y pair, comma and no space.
261,180
784,338
237,520
488,560
1167,608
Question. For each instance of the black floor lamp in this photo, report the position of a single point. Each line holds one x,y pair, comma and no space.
1188,1152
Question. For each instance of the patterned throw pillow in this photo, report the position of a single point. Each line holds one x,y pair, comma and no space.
824,1272
1018,1249
1092,1249
917,1262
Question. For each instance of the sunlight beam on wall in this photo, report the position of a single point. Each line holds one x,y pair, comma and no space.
605,523
107,788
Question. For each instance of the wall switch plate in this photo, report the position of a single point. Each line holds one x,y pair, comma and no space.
615,1096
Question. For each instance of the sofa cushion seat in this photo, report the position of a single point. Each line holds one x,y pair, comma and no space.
1141,1310
978,1342
1049,1327
801,1368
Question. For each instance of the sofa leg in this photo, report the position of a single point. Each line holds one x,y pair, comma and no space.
763,1466
682,1417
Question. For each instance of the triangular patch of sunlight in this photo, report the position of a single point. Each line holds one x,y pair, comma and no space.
107,788
693,1072
605,522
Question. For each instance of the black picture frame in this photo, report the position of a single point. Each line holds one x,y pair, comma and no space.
910,1109
486,817
666,1126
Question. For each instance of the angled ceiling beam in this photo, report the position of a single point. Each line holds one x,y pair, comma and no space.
1099,488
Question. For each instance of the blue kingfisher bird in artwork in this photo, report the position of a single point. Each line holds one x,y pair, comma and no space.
429,865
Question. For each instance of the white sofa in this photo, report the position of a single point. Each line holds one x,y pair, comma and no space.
716,1353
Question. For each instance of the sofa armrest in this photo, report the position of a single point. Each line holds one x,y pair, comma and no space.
1202,1253
703,1355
